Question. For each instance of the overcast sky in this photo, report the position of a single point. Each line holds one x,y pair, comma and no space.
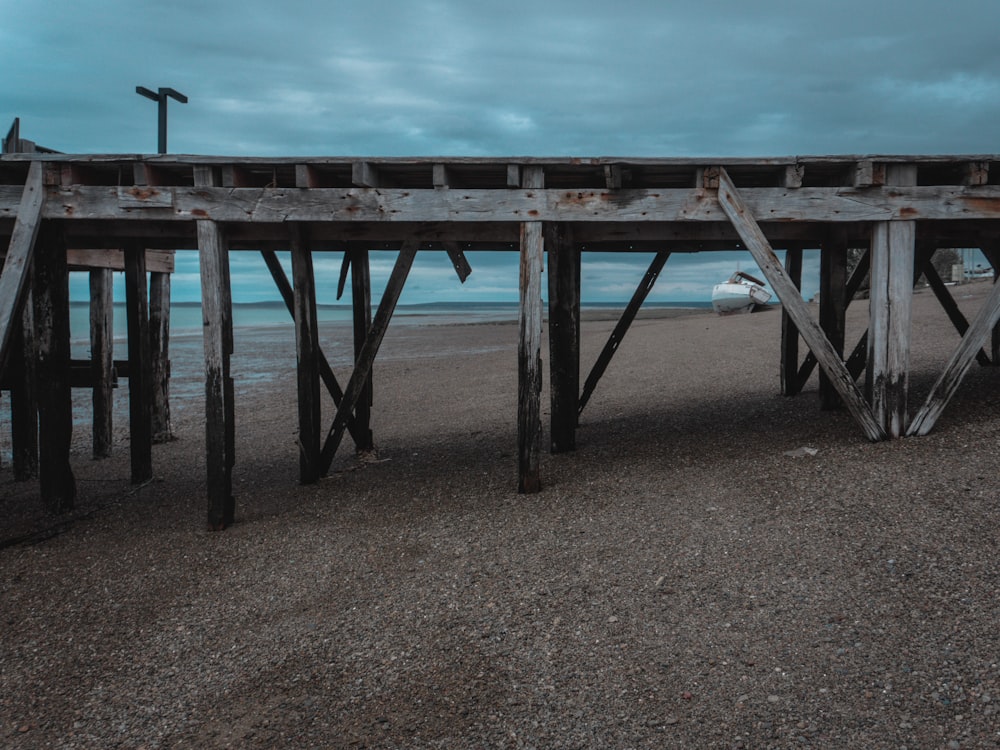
540,78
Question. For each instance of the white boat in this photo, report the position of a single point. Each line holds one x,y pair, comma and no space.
741,294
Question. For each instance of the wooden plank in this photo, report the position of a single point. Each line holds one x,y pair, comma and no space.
159,348
157,261
213,256
458,260
529,351
102,359
55,406
140,382
755,241
951,377
790,384
364,361
976,173
833,304
16,267
621,328
361,304
890,304
307,357
793,176
24,392
365,174
394,205
564,335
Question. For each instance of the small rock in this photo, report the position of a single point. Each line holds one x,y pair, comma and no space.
773,699
671,720
612,619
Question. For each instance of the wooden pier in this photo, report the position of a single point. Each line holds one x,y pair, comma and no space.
124,208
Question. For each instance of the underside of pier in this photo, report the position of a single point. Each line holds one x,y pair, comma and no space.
126,212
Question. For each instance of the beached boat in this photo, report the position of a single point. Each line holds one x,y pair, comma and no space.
741,294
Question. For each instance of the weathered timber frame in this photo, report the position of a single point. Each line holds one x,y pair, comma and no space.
548,210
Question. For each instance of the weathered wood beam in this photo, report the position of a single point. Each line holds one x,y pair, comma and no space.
621,327
458,260
157,261
306,351
365,174
740,215
564,335
140,382
102,359
364,361
17,265
55,405
976,173
24,392
890,305
361,307
159,347
217,319
392,205
790,383
991,249
529,349
951,377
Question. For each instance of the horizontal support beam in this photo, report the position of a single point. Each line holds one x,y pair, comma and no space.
389,205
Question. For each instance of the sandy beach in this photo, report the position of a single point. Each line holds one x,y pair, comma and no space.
681,580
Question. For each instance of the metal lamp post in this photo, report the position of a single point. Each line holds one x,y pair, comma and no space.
160,97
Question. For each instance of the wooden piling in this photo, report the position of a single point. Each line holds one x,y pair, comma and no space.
102,358
159,345
306,348
890,303
564,335
140,375
24,392
55,405
790,383
529,353
833,304
216,302
361,305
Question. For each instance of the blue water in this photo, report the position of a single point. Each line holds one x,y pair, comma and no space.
186,319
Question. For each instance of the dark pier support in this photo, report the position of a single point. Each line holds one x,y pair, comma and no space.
790,382
833,304
140,370
102,358
24,393
217,312
159,344
529,352
892,266
361,302
55,405
307,353
564,334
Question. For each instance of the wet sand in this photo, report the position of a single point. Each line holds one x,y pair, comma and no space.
680,582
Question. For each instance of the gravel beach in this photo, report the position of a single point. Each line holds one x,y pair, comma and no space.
688,578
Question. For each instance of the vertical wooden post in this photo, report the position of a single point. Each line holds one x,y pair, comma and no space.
55,405
361,302
24,393
159,344
140,376
529,390
102,357
833,304
217,319
564,335
307,352
790,383
991,249
892,263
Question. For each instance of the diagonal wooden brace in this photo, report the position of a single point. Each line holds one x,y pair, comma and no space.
17,267
946,385
363,364
750,232
458,260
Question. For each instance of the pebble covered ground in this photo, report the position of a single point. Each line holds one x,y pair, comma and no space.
689,577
